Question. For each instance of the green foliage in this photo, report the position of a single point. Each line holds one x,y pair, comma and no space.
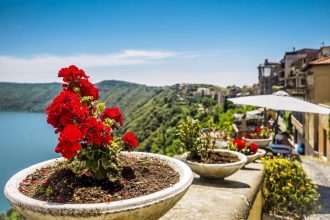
189,131
11,214
329,128
287,122
101,162
276,88
287,189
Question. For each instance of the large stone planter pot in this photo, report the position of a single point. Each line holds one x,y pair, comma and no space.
151,206
216,171
262,143
251,158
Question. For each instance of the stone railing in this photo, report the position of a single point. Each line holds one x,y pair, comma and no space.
236,197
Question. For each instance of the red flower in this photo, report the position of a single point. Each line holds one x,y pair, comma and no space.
71,74
257,129
253,148
96,133
69,141
88,89
113,113
130,140
239,143
66,109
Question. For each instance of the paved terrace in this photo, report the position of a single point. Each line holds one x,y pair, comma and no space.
228,199
319,171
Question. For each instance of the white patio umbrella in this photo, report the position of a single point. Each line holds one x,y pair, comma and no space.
280,100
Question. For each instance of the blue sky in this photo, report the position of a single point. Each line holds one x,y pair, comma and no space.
155,42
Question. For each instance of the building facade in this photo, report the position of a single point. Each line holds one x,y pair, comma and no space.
304,74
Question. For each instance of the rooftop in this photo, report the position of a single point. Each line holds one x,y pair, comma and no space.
321,61
307,51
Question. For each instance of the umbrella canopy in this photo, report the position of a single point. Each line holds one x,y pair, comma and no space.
281,101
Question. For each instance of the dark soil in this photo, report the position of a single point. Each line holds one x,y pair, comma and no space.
59,184
216,157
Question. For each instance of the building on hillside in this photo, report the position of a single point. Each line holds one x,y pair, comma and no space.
268,76
221,96
201,91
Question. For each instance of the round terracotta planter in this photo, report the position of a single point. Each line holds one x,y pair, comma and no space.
151,206
262,143
216,171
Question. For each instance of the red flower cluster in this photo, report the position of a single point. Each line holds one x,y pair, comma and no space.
77,81
66,109
69,141
76,121
239,143
113,113
130,139
96,132
253,147
71,74
243,146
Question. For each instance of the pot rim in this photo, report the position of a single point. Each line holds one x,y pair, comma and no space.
242,157
260,139
17,198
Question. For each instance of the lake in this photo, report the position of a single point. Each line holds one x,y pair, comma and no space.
26,139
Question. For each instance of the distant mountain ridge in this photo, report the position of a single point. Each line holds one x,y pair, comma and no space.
34,97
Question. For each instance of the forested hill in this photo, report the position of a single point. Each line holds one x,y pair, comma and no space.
151,112
35,97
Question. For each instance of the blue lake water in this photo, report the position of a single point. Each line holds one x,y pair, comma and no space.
26,139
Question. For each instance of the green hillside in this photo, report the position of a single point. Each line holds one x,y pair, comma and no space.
151,112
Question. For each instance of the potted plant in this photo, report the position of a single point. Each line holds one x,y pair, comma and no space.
261,136
94,179
249,149
201,157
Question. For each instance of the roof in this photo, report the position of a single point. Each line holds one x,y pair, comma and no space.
321,61
307,51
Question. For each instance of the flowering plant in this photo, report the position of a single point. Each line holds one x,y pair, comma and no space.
259,133
86,128
241,145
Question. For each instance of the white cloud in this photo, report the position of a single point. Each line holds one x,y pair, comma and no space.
151,67
39,68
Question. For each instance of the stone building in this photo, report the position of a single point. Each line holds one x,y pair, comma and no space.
268,76
290,77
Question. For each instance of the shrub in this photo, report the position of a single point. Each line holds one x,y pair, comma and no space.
192,138
287,189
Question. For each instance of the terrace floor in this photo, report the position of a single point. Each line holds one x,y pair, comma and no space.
319,172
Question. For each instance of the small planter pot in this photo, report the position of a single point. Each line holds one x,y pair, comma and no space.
261,152
151,206
262,143
253,157
216,171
